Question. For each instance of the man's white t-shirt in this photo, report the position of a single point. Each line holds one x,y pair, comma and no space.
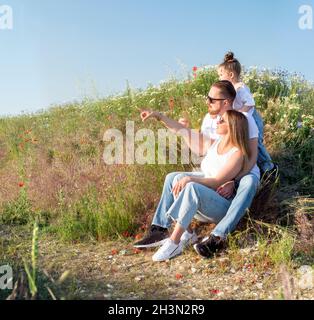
209,127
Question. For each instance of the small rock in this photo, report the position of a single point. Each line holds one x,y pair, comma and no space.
232,270
305,277
305,269
109,286
193,270
139,278
259,285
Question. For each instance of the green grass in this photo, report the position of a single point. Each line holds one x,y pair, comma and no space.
58,153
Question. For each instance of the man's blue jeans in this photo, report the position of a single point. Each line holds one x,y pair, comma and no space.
194,197
242,201
264,160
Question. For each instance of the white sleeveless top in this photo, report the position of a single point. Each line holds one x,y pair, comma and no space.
214,162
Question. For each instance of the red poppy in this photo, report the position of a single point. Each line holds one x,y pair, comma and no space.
126,234
114,252
214,291
21,184
171,103
138,237
194,69
179,276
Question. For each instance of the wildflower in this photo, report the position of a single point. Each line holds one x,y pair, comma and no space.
179,276
194,69
126,234
138,237
21,184
171,103
114,252
214,291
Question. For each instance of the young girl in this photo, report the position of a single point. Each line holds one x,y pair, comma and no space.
230,70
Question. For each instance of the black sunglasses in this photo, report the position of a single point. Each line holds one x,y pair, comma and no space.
211,100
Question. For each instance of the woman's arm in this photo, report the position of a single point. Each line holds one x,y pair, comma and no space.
227,173
196,141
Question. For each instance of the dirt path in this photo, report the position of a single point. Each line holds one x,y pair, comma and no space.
115,270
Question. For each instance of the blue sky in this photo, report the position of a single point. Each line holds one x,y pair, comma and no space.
60,51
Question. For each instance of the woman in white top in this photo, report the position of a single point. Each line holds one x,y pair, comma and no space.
186,194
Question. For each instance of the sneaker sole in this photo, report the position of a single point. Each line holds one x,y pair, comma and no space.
151,245
198,252
173,256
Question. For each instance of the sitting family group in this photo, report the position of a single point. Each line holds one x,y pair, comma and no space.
231,141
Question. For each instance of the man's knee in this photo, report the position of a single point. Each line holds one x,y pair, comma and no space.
249,181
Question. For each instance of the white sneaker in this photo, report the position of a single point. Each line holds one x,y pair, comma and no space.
188,238
168,250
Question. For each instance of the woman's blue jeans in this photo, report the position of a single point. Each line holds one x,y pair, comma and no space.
193,198
196,197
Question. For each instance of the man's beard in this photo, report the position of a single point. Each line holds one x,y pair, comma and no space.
213,112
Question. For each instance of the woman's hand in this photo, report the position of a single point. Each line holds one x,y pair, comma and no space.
179,186
147,114
226,190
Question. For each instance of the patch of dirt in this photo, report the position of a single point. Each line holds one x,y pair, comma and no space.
115,270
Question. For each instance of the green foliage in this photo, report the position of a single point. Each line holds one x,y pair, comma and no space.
19,211
91,219
31,271
73,133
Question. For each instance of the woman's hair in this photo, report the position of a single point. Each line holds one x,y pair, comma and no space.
231,64
239,132
226,88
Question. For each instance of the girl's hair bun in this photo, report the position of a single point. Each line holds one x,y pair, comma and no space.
229,57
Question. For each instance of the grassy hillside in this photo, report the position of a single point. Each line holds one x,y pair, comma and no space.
51,166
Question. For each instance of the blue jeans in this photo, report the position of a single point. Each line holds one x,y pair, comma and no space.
193,198
264,160
245,194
